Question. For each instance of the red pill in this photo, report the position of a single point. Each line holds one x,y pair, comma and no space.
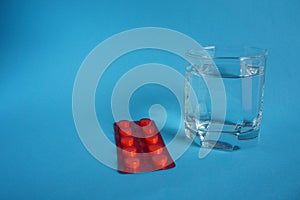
145,122
152,140
132,163
127,141
155,149
159,160
125,131
124,124
149,130
129,151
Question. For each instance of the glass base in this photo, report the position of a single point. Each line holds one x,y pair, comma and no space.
228,141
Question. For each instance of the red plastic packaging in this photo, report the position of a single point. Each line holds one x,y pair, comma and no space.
140,147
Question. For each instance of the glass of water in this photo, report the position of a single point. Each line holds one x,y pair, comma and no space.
242,75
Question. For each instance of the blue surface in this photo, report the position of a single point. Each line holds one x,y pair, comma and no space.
43,44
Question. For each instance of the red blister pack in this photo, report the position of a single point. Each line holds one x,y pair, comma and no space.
140,147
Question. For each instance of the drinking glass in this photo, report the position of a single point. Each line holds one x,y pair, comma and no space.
242,74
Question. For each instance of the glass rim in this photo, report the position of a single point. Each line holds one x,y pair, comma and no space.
198,53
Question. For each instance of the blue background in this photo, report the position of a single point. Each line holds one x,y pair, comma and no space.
43,44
